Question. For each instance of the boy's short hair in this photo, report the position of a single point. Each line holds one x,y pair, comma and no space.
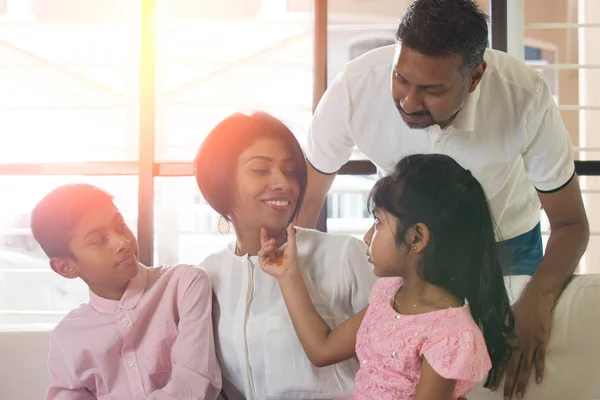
55,216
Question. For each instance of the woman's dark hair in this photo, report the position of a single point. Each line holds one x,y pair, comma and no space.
445,27
215,163
461,256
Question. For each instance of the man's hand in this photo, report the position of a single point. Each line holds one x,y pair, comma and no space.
533,319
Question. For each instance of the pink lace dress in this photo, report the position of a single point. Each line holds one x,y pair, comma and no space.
390,347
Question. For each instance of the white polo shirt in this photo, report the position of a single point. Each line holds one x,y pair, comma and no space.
509,133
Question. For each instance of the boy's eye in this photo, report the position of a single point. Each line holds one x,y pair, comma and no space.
98,240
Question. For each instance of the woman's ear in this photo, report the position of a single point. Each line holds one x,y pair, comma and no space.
419,237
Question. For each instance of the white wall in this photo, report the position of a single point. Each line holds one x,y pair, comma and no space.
23,373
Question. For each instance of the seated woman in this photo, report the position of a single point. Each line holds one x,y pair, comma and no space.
252,171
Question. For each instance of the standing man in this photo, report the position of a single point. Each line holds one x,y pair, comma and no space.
440,90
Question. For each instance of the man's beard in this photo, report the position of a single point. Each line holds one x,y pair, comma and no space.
443,122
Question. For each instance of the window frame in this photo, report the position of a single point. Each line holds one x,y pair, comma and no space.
147,168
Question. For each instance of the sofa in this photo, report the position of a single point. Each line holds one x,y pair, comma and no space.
572,364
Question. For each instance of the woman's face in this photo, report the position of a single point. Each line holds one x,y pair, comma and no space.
266,186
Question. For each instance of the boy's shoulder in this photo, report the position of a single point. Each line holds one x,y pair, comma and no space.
176,272
76,320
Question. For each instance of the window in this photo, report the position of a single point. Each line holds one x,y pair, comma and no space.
363,45
355,28
560,42
540,55
214,62
77,105
68,98
70,88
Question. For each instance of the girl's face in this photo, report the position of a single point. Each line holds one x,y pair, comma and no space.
266,187
392,257
387,256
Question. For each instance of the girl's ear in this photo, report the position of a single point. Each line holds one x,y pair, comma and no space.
419,237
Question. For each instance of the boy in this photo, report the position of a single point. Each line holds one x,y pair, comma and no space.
146,333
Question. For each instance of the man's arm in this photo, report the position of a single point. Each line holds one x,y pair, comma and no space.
316,192
548,160
196,374
567,242
569,235
329,146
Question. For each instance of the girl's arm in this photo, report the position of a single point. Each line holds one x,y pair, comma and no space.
432,386
322,345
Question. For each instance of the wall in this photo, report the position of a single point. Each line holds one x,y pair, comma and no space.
23,374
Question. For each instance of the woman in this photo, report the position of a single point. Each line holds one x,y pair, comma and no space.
252,171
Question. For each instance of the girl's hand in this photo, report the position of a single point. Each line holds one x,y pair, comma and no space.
276,262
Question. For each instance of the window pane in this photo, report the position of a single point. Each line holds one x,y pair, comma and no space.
347,210
69,81
186,228
31,291
214,60
354,28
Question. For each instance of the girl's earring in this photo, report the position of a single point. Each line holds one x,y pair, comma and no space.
224,225
415,248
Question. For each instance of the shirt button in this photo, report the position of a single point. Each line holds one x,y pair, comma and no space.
130,363
125,321
437,144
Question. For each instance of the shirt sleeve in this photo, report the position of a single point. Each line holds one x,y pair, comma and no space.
459,355
63,384
329,144
548,155
196,374
359,272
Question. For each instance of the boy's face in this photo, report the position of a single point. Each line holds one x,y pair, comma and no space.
104,250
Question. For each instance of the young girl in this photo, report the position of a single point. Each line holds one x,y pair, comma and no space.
439,317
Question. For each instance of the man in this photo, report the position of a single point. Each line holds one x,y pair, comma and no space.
490,112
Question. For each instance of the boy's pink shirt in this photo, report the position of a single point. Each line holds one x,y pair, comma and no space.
155,343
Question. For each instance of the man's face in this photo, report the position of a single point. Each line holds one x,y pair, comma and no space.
430,90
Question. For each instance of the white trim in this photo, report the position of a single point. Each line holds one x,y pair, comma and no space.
573,107
515,18
86,168
561,26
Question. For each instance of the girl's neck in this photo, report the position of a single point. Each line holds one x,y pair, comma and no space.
415,291
248,240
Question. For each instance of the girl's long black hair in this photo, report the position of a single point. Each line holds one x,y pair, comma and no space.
462,256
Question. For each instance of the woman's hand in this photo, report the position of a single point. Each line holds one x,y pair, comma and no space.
276,262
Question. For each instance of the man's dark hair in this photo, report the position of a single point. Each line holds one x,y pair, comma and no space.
445,27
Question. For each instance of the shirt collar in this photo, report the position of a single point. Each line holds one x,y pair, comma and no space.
135,289
465,119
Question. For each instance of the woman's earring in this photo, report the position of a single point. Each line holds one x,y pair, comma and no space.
415,248
224,225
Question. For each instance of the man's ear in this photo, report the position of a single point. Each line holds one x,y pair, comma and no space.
64,267
475,77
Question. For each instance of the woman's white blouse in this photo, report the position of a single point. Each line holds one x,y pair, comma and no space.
260,354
